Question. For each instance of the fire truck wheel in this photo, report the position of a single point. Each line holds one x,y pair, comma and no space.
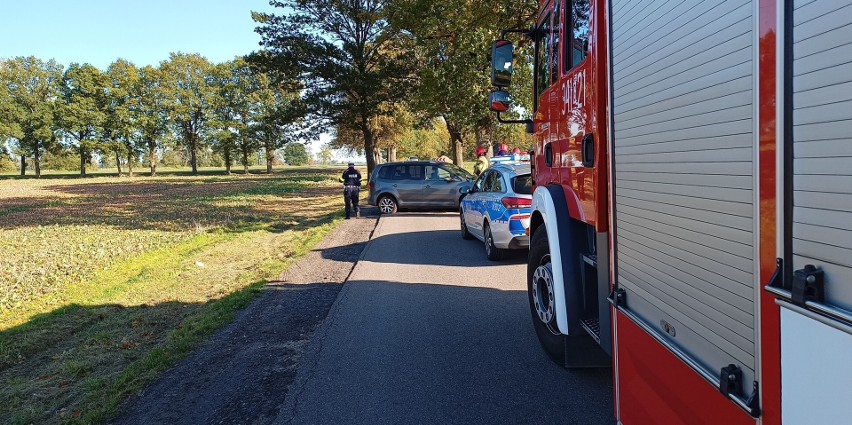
540,292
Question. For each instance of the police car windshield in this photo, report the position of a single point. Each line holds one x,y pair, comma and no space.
458,171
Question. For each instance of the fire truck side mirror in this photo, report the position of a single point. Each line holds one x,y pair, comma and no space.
498,101
501,63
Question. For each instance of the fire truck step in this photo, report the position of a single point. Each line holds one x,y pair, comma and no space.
593,327
591,259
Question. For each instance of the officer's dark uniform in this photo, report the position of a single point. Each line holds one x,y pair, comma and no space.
351,179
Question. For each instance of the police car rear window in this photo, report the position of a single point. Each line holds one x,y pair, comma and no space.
522,185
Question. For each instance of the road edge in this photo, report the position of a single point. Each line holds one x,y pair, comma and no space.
310,358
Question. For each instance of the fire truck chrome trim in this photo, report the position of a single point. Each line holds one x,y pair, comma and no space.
756,122
815,310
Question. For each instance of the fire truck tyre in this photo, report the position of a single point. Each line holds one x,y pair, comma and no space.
540,293
491,251
387,205
464,232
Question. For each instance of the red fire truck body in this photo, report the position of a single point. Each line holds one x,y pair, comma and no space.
692,217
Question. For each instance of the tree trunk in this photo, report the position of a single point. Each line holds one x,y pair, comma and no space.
270,156
193,157
23,165
152,157
226,153
377,155
37,161
456,144
392,154
84,156
130,165
245,160
369,145
118,162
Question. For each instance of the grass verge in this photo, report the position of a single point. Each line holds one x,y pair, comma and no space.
73,352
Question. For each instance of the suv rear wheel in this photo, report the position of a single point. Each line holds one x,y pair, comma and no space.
387,205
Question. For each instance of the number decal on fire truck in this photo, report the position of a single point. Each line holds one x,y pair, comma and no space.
574,92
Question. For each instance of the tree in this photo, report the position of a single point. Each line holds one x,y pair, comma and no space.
428,140
149,113
387,129
295,153
229,118
82,114
325,156
349,59
453,40
121,128
189,97
33,96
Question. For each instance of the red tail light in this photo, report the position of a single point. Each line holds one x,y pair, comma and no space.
371,186
513,203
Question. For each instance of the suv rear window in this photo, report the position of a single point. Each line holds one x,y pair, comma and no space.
522,184
383,172
401,172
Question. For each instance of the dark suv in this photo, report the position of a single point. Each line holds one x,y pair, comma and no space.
418,184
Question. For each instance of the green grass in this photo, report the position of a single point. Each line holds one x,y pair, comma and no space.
114,280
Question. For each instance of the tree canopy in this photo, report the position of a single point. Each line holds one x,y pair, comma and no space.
33,96
295,153
351,61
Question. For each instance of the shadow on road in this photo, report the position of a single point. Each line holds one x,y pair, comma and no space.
438,247
461,355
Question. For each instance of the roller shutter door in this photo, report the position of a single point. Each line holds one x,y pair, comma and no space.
683,99
822,143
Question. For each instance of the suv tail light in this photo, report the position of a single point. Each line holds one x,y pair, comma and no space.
370,185
513,203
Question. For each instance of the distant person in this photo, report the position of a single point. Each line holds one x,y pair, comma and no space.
481,161
503,150
516,154
351,179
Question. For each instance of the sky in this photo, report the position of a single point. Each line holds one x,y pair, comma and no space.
144,32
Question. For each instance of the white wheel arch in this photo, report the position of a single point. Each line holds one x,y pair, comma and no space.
543,203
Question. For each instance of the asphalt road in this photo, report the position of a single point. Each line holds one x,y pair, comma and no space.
427,330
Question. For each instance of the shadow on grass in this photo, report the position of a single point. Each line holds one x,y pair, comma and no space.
79,362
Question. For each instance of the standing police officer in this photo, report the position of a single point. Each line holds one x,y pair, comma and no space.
351,179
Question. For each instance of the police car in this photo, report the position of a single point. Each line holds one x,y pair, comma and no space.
496,210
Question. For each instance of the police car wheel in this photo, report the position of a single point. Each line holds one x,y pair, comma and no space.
465,234
491,251
387,205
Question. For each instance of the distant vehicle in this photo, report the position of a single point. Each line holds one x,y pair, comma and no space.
497,209
417,184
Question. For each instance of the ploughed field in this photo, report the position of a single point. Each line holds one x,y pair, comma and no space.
106,282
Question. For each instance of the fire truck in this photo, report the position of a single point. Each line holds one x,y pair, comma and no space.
692,213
